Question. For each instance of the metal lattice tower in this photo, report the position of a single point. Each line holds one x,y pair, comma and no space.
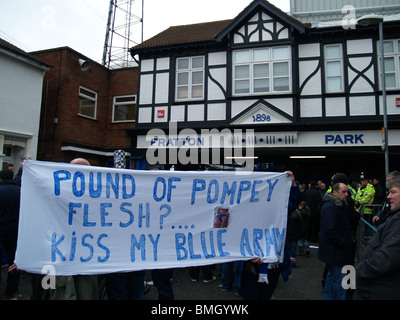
120,34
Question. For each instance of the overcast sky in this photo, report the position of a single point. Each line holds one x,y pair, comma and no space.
81,24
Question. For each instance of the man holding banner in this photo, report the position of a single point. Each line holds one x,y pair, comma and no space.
92,220
79,287
259,280
124,285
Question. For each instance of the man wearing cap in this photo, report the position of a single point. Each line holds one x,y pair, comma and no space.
365,197
343,178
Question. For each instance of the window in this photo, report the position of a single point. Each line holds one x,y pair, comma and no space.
264,70
87,103
333,68
7,151
190,78
392,63
124,108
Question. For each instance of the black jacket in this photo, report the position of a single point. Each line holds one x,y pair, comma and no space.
313,199
378,273
9,208
335,247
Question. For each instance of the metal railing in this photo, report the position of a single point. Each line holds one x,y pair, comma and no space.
365,229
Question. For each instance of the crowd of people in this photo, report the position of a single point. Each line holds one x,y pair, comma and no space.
331,218
325,216
378,268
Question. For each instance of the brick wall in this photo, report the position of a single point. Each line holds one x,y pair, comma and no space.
61,102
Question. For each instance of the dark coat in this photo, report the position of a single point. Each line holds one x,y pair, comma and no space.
313,199
378,273
293,230
294,198
9,209
335,247
293,227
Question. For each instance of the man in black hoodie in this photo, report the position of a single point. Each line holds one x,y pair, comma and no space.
9,216
378,273
335,248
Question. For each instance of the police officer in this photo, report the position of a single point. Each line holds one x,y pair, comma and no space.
365,197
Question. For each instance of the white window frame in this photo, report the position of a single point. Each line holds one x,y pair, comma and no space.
190,85
395,55
122,103
334,60
90,98
271,78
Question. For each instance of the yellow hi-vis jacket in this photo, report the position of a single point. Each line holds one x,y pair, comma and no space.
365,196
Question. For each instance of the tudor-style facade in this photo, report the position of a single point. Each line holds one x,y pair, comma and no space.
303,90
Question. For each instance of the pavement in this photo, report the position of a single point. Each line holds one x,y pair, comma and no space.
304,284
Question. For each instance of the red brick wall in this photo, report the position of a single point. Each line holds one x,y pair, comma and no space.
122,82
61,101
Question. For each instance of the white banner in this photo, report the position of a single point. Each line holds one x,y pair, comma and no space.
92,220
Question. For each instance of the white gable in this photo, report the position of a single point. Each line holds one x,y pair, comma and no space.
261,27
261,114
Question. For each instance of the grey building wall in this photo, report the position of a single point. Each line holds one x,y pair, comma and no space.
330,10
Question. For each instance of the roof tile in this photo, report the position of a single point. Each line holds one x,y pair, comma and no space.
193,33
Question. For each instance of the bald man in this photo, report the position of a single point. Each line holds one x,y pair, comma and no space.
335,247
80,161
74,287
86,287
67,287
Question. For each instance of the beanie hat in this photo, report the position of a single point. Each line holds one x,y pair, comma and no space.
340,177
